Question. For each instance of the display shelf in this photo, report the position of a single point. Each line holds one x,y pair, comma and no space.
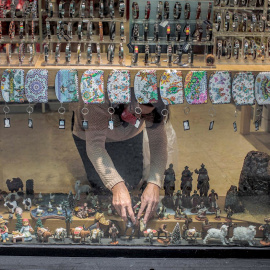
170,21
94,39
241,34
83,62
19,19
85,20
218,8
7,40
163,41
14,62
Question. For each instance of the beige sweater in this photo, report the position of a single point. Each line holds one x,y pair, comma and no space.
98,133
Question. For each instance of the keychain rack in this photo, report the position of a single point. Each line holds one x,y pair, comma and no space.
88,49
252,47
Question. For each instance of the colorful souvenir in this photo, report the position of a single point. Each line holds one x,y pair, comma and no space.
3,230
66,86
92,86
36,85
196,87
12,85
118,87
243,88
26,230
171,87
145,87
220,87
262,88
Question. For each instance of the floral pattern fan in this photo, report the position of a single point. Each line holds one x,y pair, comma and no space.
171,87
196,87
145,87
262,88
92,86
12,85
36,85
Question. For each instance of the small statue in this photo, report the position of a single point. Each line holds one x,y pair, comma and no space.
113,231
149,235
59,210
50,208
26,230
185,226
229,214
213,197
178,201
186,181
169,180
3,230
83,211
266,232
218,213
40,197
136,208
162,230
203,180
205,227
142,227
129,225
110,211
232,200
179,215
195,200
162,212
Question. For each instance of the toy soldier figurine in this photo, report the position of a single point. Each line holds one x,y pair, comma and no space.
178,201
213,197
169,180
113,233
218,212
186,176
229,213
195,200
185,226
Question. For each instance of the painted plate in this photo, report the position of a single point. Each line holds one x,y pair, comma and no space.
262,88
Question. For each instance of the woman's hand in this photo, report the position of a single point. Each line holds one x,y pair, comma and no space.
122,202
149,201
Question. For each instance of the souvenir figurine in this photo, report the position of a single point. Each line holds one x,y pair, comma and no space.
15,184
79,233
179,215
213,197
186,181
142,227
11,206
50,207
205,227
195,200
52,197
129,224
79,189
162,213
27,204
12,197
186,201
40,197
26,230
82,211
265,228
3,230
39,211
191,235
244,234
113,231
162,230
60,234
229,214
185,226
43,234
178,201
136,207
149,235
59,210
201,214
219,234
96,235
71,200
176,235
110,211
203,180
218,212
169,187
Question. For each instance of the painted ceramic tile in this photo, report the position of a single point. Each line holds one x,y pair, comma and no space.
118,86
92,86
145,86
12,85
36,85
66,85
196,87
243,88
220,87
171,87
262,88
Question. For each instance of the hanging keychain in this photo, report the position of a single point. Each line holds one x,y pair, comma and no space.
62,122
212,113
186,122
30,110
259,119
234,123
85,111
6,110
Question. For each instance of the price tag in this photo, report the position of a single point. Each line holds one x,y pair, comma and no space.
62,124
85,124
137,124
186,125
164,23
7,122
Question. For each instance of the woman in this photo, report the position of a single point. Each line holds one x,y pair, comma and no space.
93,139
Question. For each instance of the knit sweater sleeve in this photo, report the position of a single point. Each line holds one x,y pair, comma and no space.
158,153
95,145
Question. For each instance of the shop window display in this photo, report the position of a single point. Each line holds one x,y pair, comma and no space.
138,152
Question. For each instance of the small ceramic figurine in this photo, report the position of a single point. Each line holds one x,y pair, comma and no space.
213,197
96,235
266,232
110,212
149,235
178,200
142,227
26,230
113,231
59,210
52,197
205,227
129,225
195,200
40,197
244,234
169,180
79,232
162,230
229,213
27,204
162,213
136,207
43,234
3,230
81,189
39,211
50,208
60,234
179,215
219,234
218,213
